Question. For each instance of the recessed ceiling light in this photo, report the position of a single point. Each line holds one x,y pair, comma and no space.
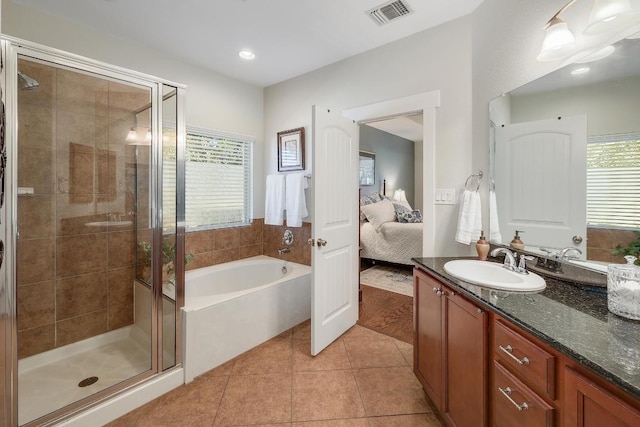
246,54
580,70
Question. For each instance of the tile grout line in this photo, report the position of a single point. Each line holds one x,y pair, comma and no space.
213,421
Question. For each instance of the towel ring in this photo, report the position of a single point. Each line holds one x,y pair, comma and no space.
478,176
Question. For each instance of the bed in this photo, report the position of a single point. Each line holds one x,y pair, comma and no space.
389,231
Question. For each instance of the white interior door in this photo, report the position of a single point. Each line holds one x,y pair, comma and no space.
540,175
334,298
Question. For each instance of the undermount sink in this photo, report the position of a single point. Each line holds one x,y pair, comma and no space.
494,275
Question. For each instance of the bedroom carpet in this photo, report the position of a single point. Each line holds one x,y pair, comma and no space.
387,312
393,279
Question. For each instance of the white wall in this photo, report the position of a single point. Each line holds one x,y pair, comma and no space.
213,101
394,162
611,107
436,59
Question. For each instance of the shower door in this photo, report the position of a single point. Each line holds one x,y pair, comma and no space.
91,315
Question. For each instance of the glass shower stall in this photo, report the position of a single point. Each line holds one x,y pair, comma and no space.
91,231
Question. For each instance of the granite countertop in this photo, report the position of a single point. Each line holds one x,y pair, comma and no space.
572,318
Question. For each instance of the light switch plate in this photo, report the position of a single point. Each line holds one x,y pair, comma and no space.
445,197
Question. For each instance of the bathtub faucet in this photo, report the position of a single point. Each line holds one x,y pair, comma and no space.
284,251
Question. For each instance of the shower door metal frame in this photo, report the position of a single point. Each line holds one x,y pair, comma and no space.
12,48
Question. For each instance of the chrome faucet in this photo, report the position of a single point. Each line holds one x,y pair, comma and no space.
509,257
284,251
563,253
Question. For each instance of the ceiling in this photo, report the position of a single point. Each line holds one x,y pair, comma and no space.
407,127
289,37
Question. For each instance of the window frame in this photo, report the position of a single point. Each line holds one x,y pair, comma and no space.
600,139
248,143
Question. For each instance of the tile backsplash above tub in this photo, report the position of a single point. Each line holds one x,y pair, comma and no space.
210,247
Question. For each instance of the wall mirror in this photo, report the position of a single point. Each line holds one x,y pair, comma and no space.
367,168
565,160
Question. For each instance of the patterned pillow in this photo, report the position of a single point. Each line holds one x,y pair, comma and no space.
400,209
368,200
409,216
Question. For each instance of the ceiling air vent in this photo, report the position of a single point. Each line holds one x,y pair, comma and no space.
389,11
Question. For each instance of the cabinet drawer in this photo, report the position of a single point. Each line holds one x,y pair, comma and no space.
514,404
532,364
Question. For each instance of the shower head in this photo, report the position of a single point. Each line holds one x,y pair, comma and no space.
26,82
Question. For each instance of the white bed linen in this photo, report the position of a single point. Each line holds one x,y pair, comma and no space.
395,242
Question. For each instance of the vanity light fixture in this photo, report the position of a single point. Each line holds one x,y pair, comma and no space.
581,70
605,16
558,40
608,15
246,54
133,138
132,135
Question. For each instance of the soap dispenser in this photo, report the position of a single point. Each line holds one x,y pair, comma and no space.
482,247
516,243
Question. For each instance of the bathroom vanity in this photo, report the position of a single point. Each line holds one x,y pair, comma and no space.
552,358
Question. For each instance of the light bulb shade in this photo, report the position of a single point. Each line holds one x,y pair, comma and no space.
147,136
609,15
399,195
132,136
558,41
596,55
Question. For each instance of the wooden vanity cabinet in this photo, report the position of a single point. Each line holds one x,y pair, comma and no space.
523,379
479,368
450,348
589,405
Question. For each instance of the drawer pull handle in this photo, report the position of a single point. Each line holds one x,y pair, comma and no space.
507,393
509,350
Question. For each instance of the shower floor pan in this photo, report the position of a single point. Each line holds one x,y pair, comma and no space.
51,380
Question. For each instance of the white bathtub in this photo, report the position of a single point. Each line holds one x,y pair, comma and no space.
230,308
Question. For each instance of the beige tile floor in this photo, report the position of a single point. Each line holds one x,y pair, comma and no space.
362,379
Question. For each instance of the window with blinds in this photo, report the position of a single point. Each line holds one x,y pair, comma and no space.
613,181
218,179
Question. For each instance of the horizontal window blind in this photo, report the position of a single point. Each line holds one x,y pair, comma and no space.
218,179
613,181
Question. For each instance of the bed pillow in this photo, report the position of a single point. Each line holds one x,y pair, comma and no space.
368,200
409,216
399,202
379,213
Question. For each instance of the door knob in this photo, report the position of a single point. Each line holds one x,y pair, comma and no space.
577,239
322,242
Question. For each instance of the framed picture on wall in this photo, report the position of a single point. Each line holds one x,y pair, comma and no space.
291,150
367,168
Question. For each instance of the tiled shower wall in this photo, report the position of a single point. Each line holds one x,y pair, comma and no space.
74,278
212,247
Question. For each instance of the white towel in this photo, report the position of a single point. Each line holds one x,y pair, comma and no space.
494,224
296,204
274,200
469,218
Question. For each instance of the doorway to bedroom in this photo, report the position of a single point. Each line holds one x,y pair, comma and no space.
391,222
373,311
